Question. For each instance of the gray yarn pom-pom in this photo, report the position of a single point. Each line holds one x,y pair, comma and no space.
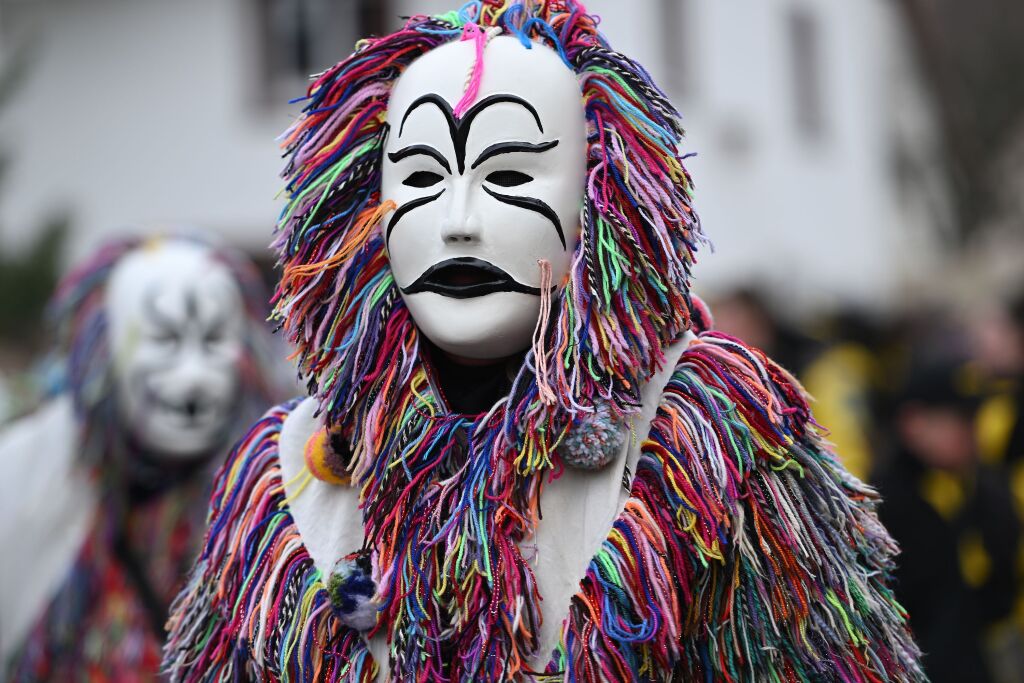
595,441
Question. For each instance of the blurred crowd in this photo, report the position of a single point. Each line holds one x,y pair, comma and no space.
929,407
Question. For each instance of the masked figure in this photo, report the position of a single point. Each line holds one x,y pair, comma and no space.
523,456
104,497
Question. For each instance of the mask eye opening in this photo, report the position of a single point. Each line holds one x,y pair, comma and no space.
214,336
422,179
166,337
508,178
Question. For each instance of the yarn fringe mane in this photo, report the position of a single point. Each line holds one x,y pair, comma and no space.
448,497
255,607
625,299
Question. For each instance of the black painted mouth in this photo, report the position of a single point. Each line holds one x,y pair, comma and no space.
467,277
191,409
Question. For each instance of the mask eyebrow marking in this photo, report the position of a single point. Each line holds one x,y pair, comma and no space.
191,306
218,314
459,128
163,322
531,204
509,147
425,150
167,324
467,119
406,208
438,102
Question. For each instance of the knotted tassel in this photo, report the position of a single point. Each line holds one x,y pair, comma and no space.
541,353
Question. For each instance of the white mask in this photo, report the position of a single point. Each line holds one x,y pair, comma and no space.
177,330
480,200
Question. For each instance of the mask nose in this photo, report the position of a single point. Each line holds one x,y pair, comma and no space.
196,380
460,226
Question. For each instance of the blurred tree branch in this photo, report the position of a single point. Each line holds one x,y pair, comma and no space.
27,280
972,54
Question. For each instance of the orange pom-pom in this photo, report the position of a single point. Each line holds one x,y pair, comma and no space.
324,462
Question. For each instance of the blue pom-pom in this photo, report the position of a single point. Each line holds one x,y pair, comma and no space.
595,440
351,589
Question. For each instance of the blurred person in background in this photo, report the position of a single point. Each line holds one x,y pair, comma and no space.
102,497
998,347
998,339
953,518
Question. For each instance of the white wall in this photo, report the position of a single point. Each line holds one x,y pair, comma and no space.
141,112
138,112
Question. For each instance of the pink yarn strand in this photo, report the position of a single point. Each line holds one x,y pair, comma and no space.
472,31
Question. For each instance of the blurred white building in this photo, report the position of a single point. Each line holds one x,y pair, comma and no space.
817,157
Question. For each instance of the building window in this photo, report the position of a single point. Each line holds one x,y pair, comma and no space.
804,37
298,38
675,18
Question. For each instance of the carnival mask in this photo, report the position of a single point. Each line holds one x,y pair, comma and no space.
482,198
177,331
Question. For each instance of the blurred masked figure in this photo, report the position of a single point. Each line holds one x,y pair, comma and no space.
102,498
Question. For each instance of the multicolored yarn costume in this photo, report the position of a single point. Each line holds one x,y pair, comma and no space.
104,623
745,552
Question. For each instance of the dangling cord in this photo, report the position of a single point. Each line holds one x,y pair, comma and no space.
306,476
541,353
